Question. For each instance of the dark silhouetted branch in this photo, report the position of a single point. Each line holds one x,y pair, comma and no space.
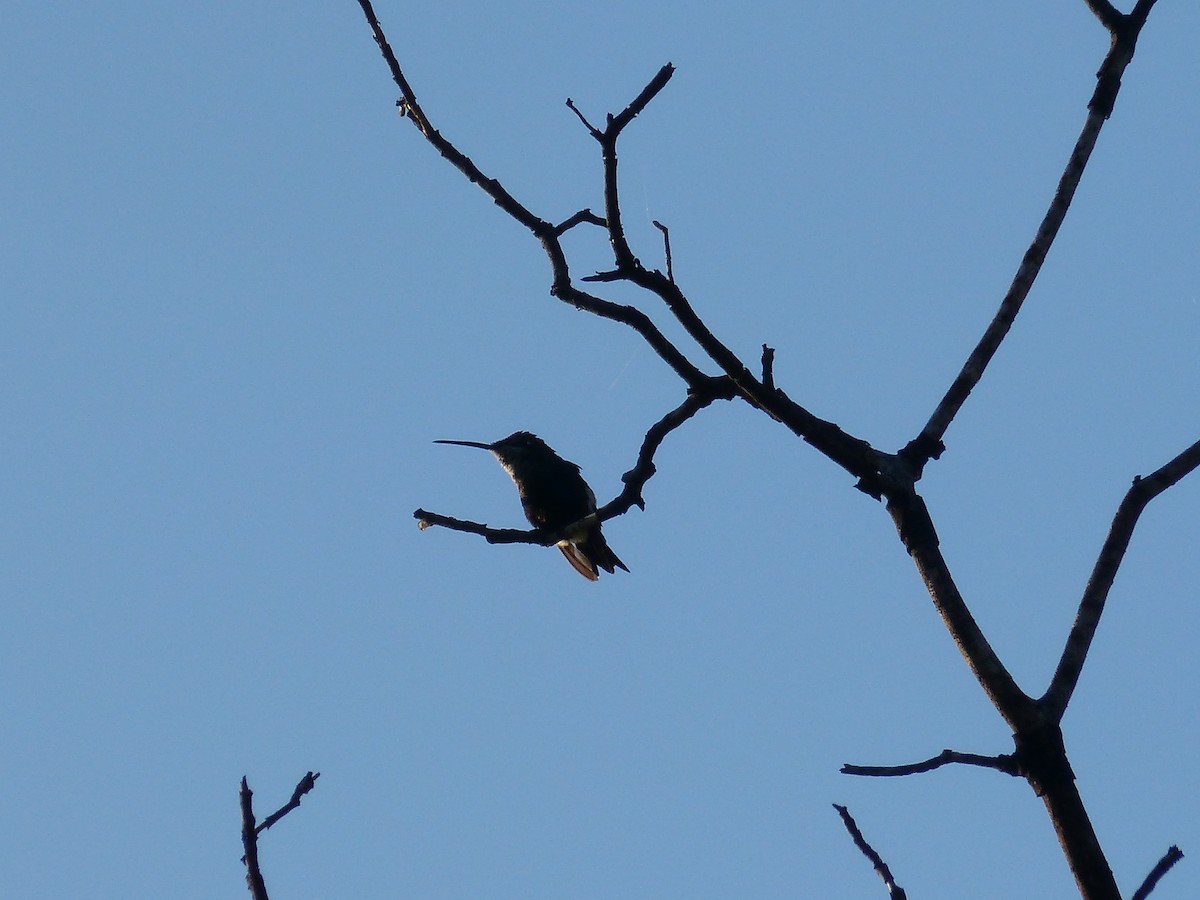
584,215
254,879
1005,763
1040,756
1109,15
1125,29
768,367
1172,856
1095,594
917,532
635,479
894,890
306,784
666,249
547,233
250,831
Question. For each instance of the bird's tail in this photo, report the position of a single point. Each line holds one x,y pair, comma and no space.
590,554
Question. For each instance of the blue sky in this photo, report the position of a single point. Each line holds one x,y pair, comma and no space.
243,297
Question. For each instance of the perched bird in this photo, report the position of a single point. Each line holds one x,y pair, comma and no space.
554,496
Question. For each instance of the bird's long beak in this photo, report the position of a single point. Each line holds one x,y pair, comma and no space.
467,444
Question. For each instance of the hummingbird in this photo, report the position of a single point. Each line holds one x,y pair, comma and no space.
554,496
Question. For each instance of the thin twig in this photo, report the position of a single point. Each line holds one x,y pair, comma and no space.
1172,856
635,479
584,215
1108,14
894,890
592,129
307,783
1005,763
667,249
768,367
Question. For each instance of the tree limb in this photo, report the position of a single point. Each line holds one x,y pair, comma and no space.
1125,29
1091,606
1005,763
894,890
306,784
1172,856
254,879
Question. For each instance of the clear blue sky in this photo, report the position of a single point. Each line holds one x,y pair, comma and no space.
242,297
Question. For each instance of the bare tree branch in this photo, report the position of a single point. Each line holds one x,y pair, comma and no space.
254,879
1091,607
547,233
917,532
768,367
584,215
894,890
306,784
1172,856
250,832
635,479
1005,763
1108,14
1125,29
1040,755
666,249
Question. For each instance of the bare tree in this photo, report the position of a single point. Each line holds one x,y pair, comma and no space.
1039,755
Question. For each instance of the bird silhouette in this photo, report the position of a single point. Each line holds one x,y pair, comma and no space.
554,496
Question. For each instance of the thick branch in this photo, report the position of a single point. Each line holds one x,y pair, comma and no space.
1005,763
881,868
1125,29
1091,607
920,538
1042,758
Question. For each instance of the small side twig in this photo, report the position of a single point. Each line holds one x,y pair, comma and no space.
635,479
666,248
768,367
894,890
307,783
426,519
584,215
1005,763
592,129
1172,856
